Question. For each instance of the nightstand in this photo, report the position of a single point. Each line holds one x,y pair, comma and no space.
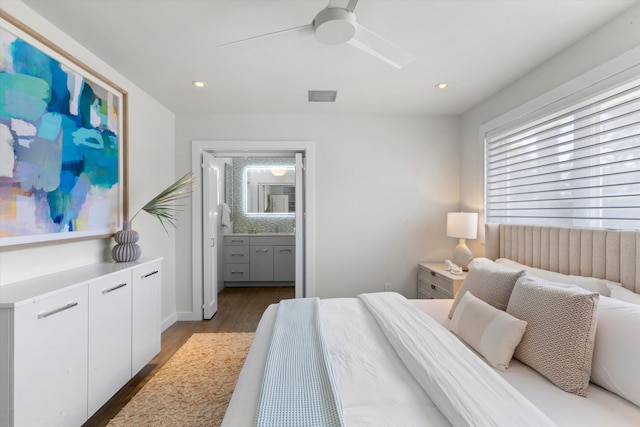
435,281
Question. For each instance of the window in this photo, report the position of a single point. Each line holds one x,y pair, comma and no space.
575,162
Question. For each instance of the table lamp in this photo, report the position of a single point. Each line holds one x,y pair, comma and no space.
463,225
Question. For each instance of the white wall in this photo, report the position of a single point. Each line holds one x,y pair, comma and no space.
383,187
151,131
609,41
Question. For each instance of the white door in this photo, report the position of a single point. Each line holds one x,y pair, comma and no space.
210,202
300,223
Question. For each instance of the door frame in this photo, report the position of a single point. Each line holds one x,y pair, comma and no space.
251,148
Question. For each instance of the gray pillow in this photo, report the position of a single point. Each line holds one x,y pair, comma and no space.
492,285
561,328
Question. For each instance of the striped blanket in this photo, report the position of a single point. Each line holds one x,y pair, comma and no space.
298,387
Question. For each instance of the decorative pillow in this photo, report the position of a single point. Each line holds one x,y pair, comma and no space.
491,285
491,332
616,353
626,295
561,327
602,286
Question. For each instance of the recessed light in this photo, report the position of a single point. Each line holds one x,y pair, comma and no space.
198,83
442,85
322,95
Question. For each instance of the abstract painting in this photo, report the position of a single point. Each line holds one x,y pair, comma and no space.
61,144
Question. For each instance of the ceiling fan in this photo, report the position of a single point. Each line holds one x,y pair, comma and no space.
337,24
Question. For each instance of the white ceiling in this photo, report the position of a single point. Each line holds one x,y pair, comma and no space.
477,46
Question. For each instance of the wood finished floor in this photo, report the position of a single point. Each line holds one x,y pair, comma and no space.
239,310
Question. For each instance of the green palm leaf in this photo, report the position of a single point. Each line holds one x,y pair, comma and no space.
164,206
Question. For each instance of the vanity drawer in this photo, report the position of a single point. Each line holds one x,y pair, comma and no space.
236,254
236,240
236,273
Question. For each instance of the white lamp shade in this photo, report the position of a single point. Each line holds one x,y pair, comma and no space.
463,225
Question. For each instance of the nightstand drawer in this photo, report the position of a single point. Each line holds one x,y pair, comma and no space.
434,278
434,290
430,290
435,281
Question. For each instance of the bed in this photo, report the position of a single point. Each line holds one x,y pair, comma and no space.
388,375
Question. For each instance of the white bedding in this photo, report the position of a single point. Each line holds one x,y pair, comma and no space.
377,390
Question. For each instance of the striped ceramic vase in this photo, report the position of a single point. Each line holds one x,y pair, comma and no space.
126,249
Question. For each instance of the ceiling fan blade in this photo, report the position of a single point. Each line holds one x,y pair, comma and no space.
382,49
349,5
304,28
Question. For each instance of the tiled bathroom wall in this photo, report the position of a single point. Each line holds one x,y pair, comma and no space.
243,223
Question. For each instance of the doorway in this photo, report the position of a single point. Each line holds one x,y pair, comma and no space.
206,239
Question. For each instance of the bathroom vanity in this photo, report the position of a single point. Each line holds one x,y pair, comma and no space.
259,259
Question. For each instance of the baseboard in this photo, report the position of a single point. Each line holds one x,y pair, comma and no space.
166,323
189,316
256,284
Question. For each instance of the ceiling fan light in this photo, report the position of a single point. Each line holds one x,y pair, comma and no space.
278,172
334,25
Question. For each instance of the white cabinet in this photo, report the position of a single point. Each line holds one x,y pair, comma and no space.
70,340
109,364
50,362
146,315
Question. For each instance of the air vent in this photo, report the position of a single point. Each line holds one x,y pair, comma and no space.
322,95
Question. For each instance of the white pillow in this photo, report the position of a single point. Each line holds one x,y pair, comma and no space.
624,294
491,332
593,284
616,353
483,262
561,327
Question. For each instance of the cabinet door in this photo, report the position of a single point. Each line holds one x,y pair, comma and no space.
146,332
284,263
261,263
109,338
50,360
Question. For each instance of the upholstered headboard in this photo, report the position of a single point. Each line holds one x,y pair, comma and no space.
606,254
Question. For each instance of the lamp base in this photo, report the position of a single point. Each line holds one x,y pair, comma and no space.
462,255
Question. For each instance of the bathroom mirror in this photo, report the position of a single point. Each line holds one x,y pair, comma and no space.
270,190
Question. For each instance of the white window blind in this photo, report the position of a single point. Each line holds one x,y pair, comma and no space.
574,163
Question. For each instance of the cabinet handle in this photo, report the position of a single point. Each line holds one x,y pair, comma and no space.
144,276
237,254
285,250
237,241
433,273
121,285
433,287
262,250
57,310
237,272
